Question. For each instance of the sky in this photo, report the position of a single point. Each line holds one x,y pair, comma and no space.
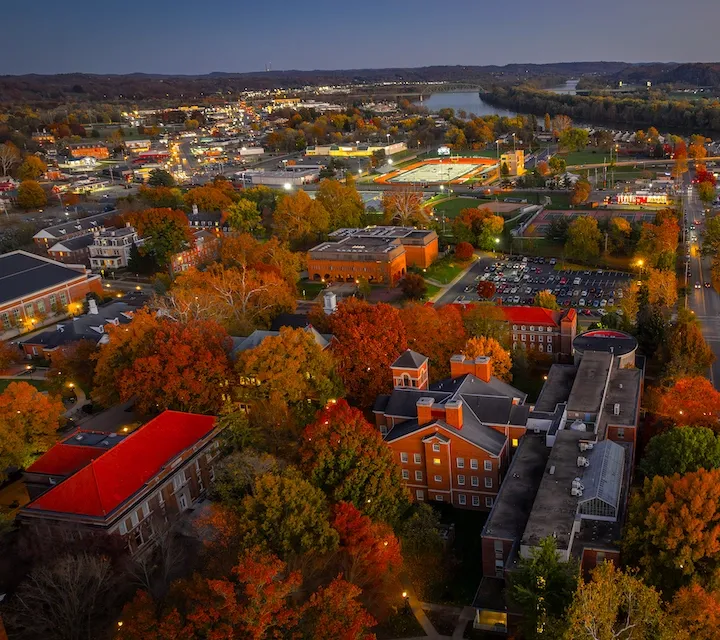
191,37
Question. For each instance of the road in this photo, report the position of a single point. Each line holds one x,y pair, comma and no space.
705,301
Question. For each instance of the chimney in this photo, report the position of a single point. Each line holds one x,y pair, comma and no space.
92,306
329,303
424,410
483,368
454,413
459,365
195,209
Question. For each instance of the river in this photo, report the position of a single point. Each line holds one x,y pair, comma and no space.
468,101
568,89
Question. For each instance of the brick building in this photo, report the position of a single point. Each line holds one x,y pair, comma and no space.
73,250
376,254
105,484
205,248
453,439
89,150
35,290
542,330
47,237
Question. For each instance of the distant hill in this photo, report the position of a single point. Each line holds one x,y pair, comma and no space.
702,74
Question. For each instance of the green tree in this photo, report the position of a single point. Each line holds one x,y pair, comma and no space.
557,165
584,239
237,432
546,300
681,450
543,587
161,178
342,202
287,515
706,192
574,139
31,195
347,458
166,231
244,216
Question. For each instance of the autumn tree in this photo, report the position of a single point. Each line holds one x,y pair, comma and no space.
658,243
166,232
413,286
619,231
680,155
369,338
697,149
299,219
403,206
584,239
240,299
500,361
208,198
560,124
615,605
706,192
692,400
31,195
574,139
28,423
437,333
557,165
347,458
31,168
546,300
161,178
244,216
464,251
687,352
661,288
291,368
161,197
9,355
164,364
673,526
487,320
342,202
543,588
9,157
681,450
72,364
580,192
241,250
479,227
696,612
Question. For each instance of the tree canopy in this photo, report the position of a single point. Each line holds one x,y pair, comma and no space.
681,450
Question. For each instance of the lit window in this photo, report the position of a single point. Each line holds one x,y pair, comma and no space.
436,461
460,463
488,483
418,476
514,442
438,478
403,457
405,474
461,480
462,499
487,465
476,501
473,463
436,447
417,458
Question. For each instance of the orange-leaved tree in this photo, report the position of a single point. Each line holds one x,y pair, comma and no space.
209,198
500,360
28,423
164,364
347,458
697,612
673,528
9,355
691,400
369,338
299,219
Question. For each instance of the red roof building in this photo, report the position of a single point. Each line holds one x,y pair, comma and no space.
161,469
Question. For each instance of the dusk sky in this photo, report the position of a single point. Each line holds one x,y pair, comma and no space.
179,36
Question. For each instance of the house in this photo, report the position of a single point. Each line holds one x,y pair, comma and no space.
90,326
110,248
34,288
213,221
453,439
376,254
72,250
129,488
47,237
241,344
570,476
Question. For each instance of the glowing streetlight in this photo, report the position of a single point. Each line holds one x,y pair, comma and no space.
287,186
497,240
405,594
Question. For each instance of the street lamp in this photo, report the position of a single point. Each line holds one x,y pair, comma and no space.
287,186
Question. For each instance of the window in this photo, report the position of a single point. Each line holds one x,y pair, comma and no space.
63,298
599,557
476,501
473,463
514,327
182,502
405,474
532,327
41,306
436,462
438,478
514,336
436,447
487,465
420,495
52,299
179,480
541,347
403,457
211,473
488,502
541,338
29,310
439,498
488,483
515,442
418,476
532,337
522,328
122,528
461,480
383,429
621,432
523,337
549,347
417,458
6,321
462,499
460,463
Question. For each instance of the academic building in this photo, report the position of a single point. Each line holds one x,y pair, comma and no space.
376,254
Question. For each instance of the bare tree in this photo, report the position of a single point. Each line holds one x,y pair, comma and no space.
9,157
404,207
65,600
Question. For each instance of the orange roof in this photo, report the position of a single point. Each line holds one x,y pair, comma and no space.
65,459
109,480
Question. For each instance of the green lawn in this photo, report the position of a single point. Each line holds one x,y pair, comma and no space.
431,290
558,200
40,385
309,290
451,207
445,270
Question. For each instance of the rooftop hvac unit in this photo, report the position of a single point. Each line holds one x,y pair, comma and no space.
583,462
552,470
577,484
616,409
576,492
578,425
585,446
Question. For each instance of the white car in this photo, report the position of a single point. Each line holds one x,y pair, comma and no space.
576,282
698,285
582,302
603,302
584,294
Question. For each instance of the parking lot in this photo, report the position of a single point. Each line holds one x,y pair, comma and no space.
519,279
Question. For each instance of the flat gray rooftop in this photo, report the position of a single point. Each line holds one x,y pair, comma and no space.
515,499
556,388
624,390
589,386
